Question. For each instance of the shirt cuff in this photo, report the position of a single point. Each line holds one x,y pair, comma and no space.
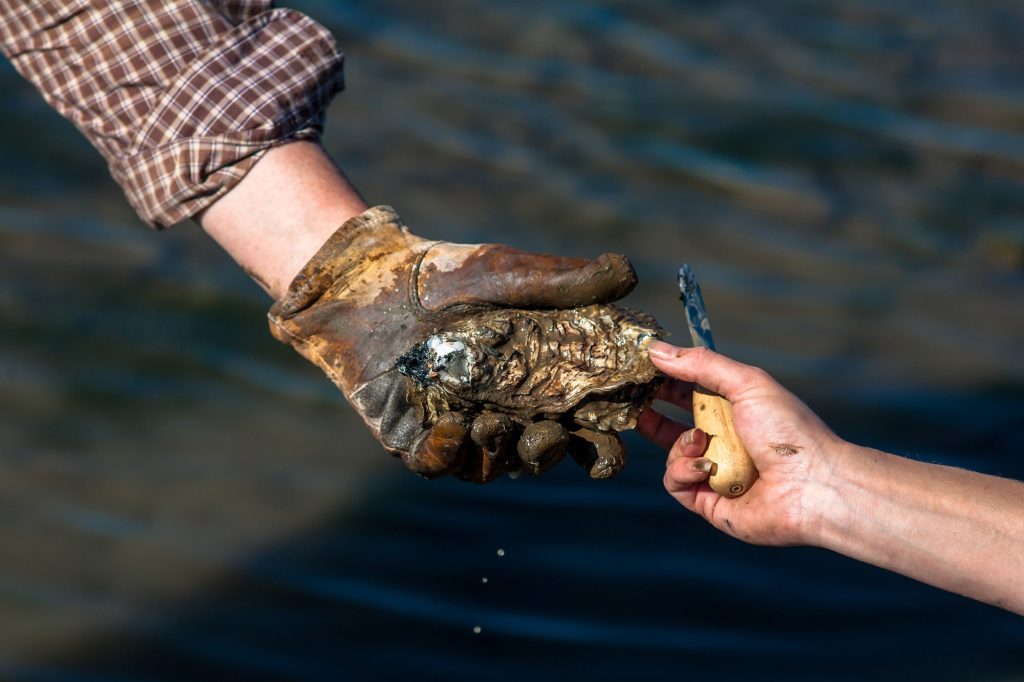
264,82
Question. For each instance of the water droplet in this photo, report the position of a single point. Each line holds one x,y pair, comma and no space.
514,474
501,552
477,629
484,579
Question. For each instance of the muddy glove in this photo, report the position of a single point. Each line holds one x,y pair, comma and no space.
374,290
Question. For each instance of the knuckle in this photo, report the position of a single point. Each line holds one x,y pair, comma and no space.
757,375
671,483
704,358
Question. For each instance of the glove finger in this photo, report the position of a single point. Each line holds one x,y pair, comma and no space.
501,275
602,454
441,449
542,445
494,436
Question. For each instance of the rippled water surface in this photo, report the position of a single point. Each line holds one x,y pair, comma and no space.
183,498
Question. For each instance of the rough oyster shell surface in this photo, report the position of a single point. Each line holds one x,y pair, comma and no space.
588,363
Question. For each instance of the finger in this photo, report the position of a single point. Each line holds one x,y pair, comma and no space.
659,429
542,446
702,366
679,393
493,434
491,430
690,445
501,275
440,450
684,466
602,454
685,473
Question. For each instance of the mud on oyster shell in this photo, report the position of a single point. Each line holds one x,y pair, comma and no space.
587,366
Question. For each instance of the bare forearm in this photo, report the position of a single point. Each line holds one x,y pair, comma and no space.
280,214
954,529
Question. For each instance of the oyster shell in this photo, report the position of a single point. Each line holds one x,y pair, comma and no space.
586,365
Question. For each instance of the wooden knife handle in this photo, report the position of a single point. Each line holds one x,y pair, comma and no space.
734,472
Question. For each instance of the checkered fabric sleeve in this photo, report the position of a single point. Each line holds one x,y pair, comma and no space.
180,96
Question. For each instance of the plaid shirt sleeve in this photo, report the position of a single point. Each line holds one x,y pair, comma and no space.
181,97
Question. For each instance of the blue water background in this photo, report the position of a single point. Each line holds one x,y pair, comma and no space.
183,498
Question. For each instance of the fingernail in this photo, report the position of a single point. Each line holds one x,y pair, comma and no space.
690,437
702,465
661,349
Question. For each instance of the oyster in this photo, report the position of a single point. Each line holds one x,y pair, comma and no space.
586,368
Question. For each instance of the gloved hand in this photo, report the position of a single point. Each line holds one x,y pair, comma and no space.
374,290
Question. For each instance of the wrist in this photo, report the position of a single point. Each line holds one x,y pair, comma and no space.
826,507
280,214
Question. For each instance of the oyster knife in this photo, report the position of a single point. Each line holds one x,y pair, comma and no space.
733,471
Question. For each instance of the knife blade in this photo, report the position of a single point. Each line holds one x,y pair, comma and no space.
696,312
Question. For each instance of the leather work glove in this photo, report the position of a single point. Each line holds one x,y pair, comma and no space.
374,290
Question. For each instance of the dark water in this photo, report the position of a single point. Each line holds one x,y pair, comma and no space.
183,498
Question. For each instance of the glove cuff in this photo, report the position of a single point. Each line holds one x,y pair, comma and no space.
353,246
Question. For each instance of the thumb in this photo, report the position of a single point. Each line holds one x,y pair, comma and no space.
501,275
715,372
